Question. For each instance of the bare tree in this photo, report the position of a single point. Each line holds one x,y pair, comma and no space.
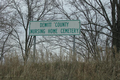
5,28
26,11
95,30
112,19
98,18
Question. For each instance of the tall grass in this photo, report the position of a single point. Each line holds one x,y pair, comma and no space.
50,66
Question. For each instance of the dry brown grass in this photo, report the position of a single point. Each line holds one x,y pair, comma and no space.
51,67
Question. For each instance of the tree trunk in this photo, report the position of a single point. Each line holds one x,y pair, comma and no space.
26,48
116,42
116,27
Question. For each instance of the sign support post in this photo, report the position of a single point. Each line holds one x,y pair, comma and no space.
74,53
73,44
34,49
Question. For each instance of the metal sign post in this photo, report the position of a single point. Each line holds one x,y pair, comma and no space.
73,44
34,49
74,53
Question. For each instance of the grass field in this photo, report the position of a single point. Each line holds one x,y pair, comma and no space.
60,68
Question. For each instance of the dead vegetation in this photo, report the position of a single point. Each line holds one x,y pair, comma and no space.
53,67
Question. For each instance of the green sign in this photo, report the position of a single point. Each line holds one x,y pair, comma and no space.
51,28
